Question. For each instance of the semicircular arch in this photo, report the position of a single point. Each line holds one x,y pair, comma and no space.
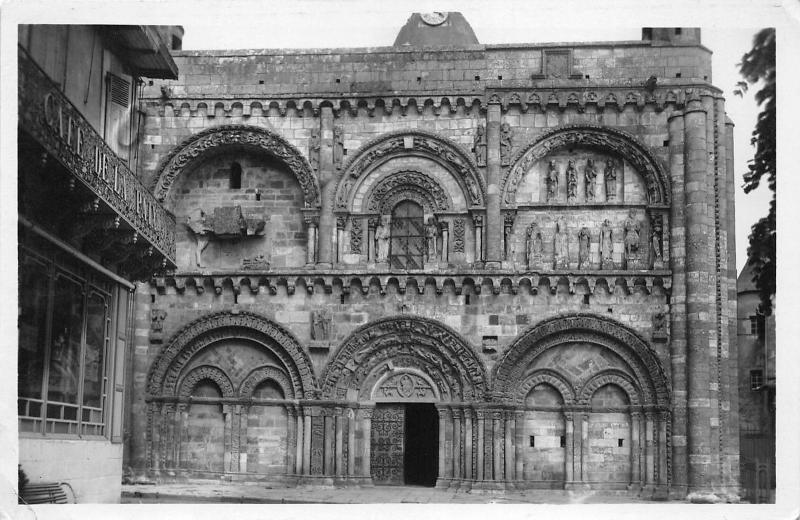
407,342
548,377
386,192
595,137
198,145
205,372
599,330
610,377
419,143
222,326
266,373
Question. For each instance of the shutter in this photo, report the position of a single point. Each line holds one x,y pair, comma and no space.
118,115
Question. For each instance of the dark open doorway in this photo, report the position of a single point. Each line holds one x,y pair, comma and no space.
421,457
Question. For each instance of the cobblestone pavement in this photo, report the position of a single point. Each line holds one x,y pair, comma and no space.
259,493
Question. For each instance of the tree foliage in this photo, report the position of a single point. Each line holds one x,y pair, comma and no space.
758,67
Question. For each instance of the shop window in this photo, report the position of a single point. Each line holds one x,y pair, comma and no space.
64,343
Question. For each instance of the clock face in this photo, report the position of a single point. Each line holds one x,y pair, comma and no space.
434,18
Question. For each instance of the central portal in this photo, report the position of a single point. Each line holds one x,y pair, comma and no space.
404,444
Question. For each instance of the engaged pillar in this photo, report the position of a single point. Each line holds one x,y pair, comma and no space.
494,222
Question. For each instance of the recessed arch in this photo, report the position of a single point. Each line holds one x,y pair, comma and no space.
214,328
628,345
205,372
193,148
595,137
418,143
395,186
266,373
548,377
408,342
610,377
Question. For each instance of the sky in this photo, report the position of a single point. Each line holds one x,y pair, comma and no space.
370,26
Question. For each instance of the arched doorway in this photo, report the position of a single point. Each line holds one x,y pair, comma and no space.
407,244
413,383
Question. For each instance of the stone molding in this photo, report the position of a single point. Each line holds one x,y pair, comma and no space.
592,136
629,345
197,145
549,377
382,197
426,144
614,377
205,372
445,355
212,328
262,374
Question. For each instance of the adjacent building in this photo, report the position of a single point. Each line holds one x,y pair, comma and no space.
87,227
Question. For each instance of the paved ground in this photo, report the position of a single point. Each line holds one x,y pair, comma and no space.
224,492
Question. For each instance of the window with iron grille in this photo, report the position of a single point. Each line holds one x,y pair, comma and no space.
407,244
756,379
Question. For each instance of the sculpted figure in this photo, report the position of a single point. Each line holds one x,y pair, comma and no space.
611,179
479,145
431,233
631,235
535,246
382,240
572,181
201,232
313,149
561,244
584,239
338,146
552,181
590,175
606,245
505,144
656,239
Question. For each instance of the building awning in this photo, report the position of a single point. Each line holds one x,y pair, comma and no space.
142,48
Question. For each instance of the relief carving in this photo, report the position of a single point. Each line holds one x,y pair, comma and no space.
356,235
535,247
479,145
227,223
321,324
584,239
257,263
431,240
382,237
561,244
606,245
611,180
405,386
657,241
506,144
313,149
632,238
552,181
458,235
572,182
590,175
660,324
338,147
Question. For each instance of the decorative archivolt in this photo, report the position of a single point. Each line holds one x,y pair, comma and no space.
600,138
266,373
262,139
206,373
222,326
548,377
417,143
585,328
610,377
412,343
413,184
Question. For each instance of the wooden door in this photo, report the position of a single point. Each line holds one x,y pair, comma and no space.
388,443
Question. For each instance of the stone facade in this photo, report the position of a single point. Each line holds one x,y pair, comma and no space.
528,243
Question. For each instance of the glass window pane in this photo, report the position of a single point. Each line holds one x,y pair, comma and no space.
32,326
65,348
95,350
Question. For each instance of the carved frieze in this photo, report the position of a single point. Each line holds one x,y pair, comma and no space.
257,263
405,386
356,235
458,235
427,187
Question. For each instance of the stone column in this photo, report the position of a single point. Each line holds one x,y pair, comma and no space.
340,225
299,459
700,312
509,446
678,314
519,457
228,418
477,220
372,225
445,464
366,429
339,469
468,473
311,240
635,451
584,447
445,228
649,450
306,441
494,222
569,450
661,459
327,181
291,437
481,415
498,440
329,453
182,429
351,443
170,441
458,414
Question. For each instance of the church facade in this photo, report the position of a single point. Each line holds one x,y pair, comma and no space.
476,267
